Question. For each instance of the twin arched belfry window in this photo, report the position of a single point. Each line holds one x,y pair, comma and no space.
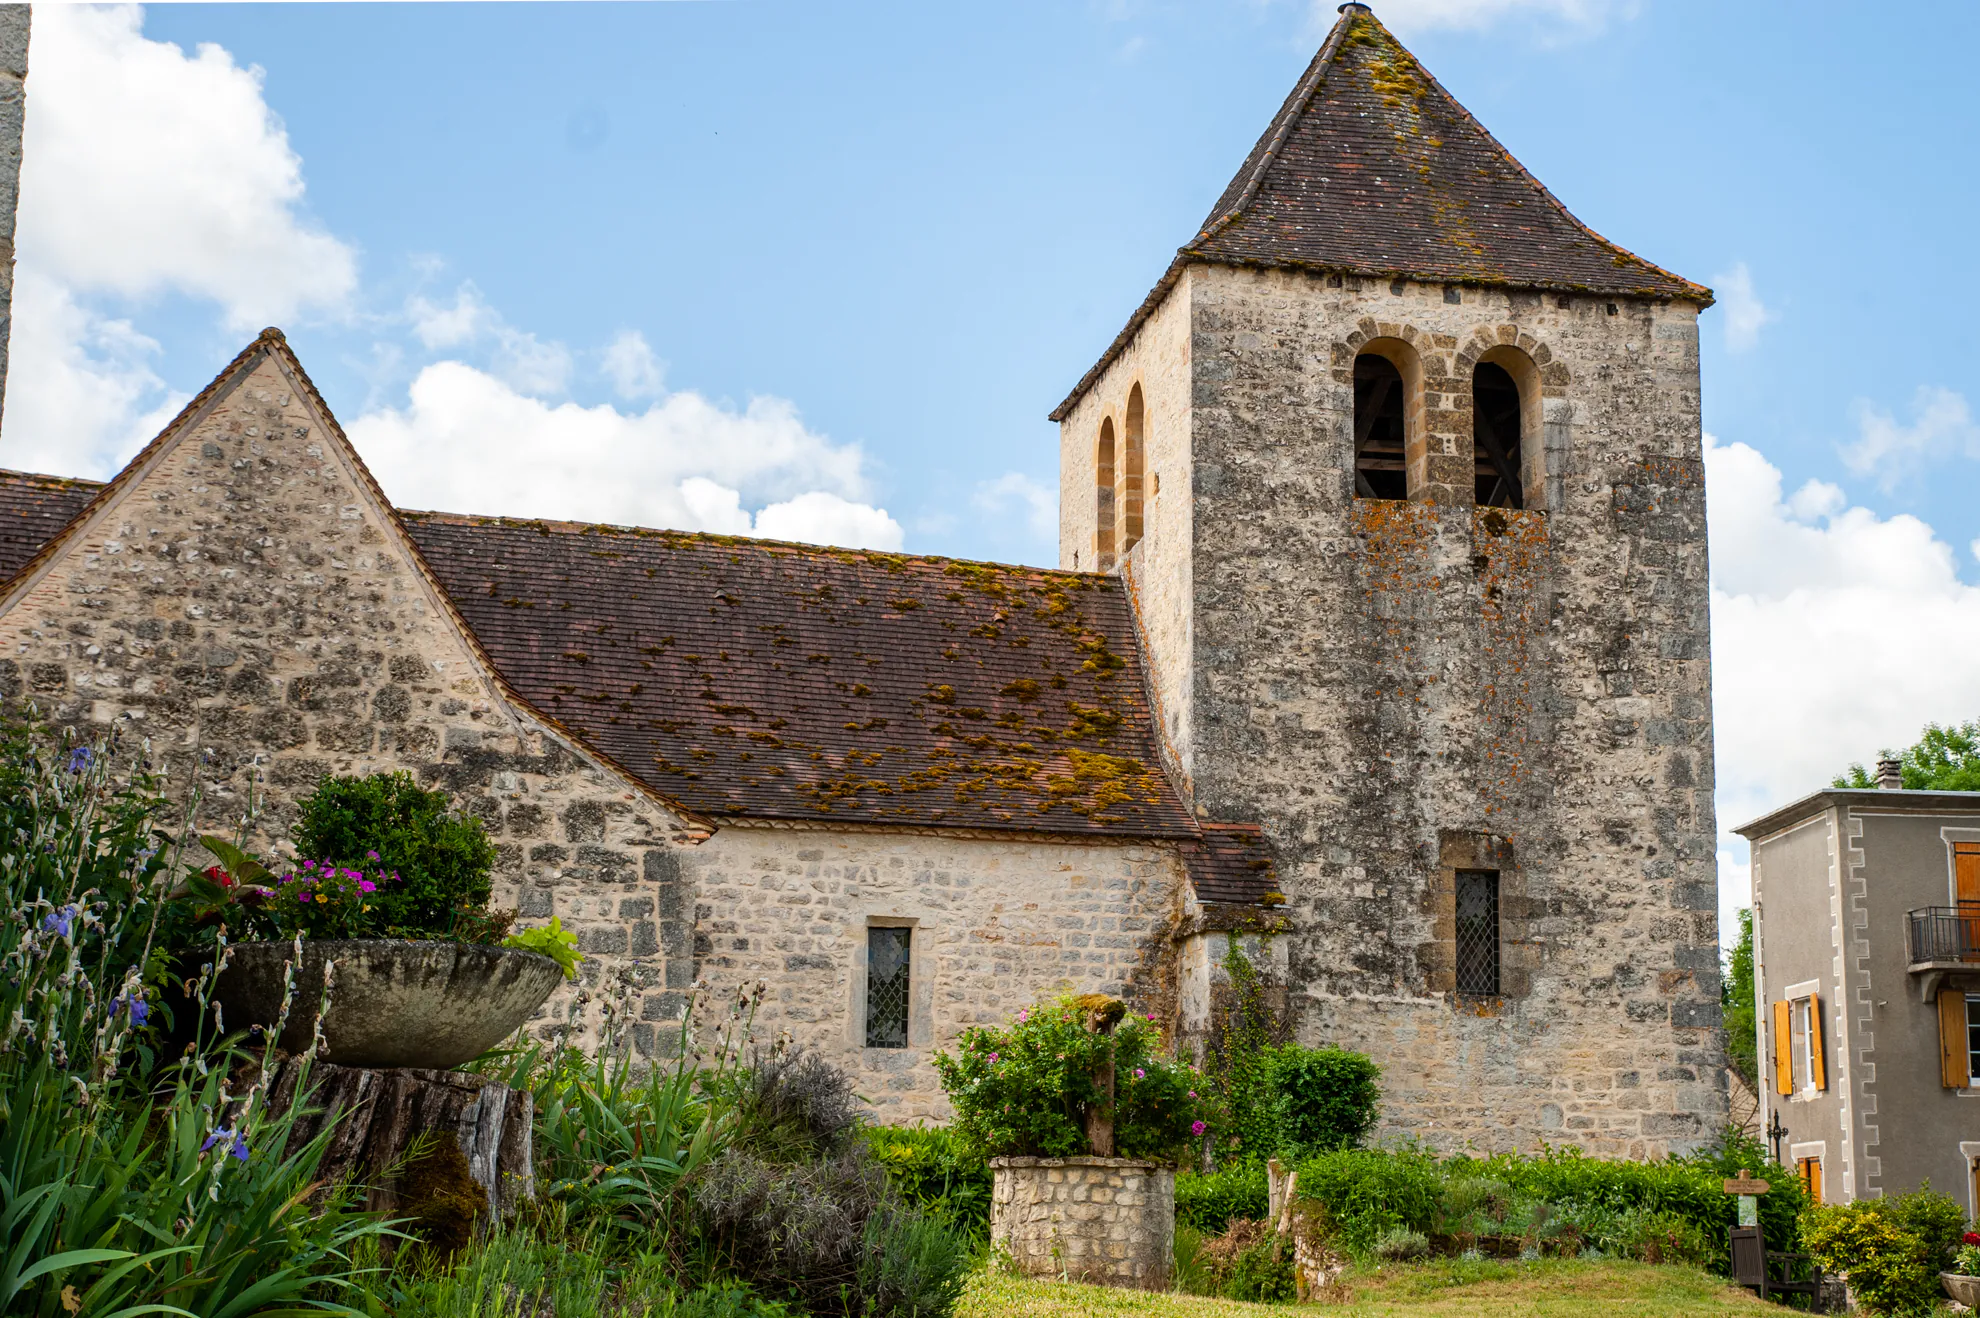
1119,464
1393,453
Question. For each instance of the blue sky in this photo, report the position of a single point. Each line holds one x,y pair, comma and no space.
821,270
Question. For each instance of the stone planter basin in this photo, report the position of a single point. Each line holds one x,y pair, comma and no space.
394,1002
1962,1288
1107,1221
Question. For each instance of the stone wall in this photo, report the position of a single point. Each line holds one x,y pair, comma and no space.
247,610
13,119
1158,569
1392,687
997,924
1107,1221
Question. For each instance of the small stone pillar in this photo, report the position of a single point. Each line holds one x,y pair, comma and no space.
1108,1221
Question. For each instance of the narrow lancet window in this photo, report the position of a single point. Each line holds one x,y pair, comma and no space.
887,987
1103,499
1379,470
1131,484
1478,933
1495,433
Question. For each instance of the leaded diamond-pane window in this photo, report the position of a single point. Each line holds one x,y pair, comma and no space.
887,987
1478,933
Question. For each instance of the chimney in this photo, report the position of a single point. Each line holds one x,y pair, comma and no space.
1890,774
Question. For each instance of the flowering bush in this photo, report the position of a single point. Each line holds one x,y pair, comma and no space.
1025,1088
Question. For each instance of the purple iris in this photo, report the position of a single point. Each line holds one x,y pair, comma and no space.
238,1147
140,1009
80,759
59,922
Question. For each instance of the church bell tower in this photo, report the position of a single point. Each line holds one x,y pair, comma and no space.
1403,465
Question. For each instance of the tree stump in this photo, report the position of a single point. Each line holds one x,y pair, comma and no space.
385,1111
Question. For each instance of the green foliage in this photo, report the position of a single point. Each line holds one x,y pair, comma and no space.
1025,1088
130,1183
1246,1261
551,940
1943,759
1736,1000
935,1172
1890,1268
1323,1098
1936,1219
1238,1062
911,1266
1668,1210
387,821
1208,1204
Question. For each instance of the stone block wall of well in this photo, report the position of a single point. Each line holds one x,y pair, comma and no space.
1108,1221
997,924
249,611
1400,690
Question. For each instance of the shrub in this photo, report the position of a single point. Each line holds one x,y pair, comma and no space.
793,1104
1208,1203
1401,1245
1936,1219
1247,1262
790,1230
1371,1191
1323,1098
387,821
1025,1088
933,1171
911,1266
1889,1268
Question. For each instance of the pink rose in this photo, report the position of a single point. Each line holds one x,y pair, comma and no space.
1140,1074
1197,1128
1192,1093
993,1057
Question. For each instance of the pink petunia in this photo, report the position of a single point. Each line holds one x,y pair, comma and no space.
367,886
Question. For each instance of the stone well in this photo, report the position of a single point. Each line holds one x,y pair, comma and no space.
1110,1221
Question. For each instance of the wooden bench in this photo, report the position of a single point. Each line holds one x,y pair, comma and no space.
1753,1265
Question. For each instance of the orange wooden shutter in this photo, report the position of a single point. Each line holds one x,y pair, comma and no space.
1818,1073
1815,1179
1966,871
1784,1048
1952,1038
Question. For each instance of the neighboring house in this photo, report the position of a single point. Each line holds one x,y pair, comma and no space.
1866,952
1381,622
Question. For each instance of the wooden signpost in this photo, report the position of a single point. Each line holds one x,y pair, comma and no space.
1749,1188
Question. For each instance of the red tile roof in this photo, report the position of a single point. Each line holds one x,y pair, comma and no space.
784,681
1371,167
32,509
1232,866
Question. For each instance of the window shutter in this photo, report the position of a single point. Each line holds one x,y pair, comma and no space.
1952,1038
1818,1072
1784,1049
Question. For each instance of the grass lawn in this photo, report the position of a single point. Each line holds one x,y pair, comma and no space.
1554,1288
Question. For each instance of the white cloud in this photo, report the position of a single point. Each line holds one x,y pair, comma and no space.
1829,625
1036,502
632,368
1888,450
521,359
85,396
471,442
147,170
1742,308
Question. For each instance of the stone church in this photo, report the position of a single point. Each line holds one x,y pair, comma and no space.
1378,638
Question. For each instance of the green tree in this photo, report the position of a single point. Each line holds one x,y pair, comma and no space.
1944,759
1736,997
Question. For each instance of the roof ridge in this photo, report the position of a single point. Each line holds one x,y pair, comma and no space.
746,541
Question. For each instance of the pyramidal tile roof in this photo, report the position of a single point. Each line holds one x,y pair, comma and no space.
1371,167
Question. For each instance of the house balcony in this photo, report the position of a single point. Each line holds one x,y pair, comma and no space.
1943,940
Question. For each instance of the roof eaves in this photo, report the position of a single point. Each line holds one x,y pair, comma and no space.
1908,801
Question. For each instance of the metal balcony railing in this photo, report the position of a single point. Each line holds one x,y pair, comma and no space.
1945,933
